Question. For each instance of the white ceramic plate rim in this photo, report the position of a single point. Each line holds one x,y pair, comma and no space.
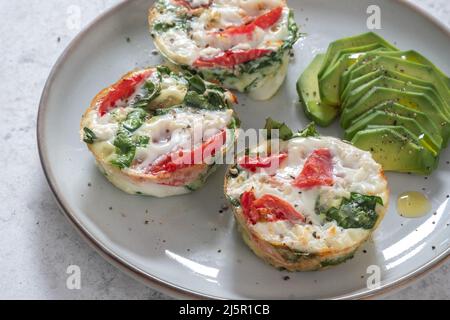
139,274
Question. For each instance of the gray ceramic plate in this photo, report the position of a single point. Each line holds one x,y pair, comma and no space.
183,245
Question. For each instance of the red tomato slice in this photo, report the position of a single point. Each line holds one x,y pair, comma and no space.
247,200
269,19
262,162
268,208
229,58
121,90
182,159
264,21
317,171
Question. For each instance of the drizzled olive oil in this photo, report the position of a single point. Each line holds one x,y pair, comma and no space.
413,204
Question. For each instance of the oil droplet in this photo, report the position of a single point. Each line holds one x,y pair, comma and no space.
413,204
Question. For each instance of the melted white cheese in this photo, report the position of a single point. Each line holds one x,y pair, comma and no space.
354,170
204,41
181,128
179,131
173,91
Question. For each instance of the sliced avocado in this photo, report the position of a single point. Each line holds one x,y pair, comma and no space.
414,101
407,56
412,69
347,75
358,82
329,83
356,41
414,56
355,83
396,149
382,118
396,109
387,82
308,90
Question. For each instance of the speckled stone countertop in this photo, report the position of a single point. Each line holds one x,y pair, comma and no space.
37,244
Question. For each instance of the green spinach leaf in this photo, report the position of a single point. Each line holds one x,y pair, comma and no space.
309,131
151,92
126,145
285,133
135,120
89,136
197,84
356,212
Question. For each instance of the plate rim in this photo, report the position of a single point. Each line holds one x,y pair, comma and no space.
137,273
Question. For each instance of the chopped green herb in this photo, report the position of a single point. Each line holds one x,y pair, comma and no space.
163,26
197,84
212,86
164,70
89,136
309,131
356,212
163,111
126,145
234,201
334,262
151,92
140,141
195,100
123,141
285,133
215,99
135,119
123,160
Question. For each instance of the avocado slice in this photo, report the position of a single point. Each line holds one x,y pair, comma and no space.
395,109
383,118
414,56
308,90
409,56
414,101
396,149
356,41
358,82
329,83
412,69
388,82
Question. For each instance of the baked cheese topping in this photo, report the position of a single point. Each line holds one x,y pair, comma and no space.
352,171
185,36
152,114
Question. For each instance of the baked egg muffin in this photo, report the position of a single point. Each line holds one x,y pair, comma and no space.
244,44
306,202
159,133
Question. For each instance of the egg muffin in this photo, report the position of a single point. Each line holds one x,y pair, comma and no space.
306,202
159,133
245,45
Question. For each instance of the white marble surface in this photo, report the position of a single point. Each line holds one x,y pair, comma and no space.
36,242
